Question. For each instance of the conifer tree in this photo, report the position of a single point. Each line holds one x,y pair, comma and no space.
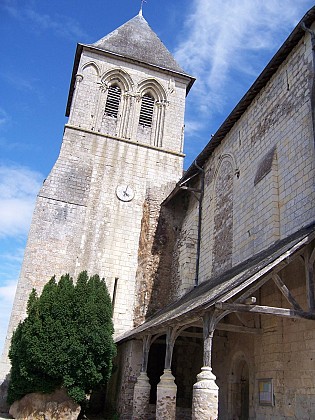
65,341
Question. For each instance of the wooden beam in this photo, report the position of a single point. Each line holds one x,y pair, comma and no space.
286,292
224,327
238,328
268,310
309,277
191,334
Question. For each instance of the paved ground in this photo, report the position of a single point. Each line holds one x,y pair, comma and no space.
7,416
4,416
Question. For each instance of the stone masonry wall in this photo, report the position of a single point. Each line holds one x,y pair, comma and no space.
270,191
185,249
283,352
156,279
121,386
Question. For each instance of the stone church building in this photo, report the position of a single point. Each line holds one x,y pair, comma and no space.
211,272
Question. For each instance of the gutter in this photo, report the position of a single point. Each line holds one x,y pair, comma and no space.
196,191
312,34
202,187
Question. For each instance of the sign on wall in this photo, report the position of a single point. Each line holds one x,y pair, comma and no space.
265,389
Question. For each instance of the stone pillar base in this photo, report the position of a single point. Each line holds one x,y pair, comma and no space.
205,396
141,397
166,397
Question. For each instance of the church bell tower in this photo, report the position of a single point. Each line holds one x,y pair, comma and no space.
122,146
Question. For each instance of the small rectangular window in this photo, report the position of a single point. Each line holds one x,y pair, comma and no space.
114,293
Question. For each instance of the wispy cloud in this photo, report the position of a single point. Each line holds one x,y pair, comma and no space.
4,117
19,82
7,293
10,265
192,126
18,189
221,39
60,25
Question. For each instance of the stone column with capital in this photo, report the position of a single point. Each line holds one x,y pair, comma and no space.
166,397
167,389
205,402
141,394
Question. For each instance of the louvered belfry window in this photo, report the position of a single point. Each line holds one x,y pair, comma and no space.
146,111
113,100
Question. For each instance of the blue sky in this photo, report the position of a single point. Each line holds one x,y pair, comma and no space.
225,44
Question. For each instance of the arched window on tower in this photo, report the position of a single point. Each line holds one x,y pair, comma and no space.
113,101
146,110
150,108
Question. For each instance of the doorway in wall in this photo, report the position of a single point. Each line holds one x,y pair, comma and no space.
239,390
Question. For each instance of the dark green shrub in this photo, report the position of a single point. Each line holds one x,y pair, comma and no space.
65,341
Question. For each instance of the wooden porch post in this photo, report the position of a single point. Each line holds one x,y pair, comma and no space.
167,389
141,395
205,391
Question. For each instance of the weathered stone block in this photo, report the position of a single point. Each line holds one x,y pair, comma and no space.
36,406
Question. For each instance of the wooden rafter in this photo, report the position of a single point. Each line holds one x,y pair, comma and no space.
286,292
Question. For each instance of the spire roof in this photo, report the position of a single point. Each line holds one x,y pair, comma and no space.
136,40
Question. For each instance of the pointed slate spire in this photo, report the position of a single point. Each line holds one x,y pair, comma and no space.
136,40
140,11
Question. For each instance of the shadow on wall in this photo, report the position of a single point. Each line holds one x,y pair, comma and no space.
157,274
4,407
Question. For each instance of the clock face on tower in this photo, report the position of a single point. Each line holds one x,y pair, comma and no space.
124,192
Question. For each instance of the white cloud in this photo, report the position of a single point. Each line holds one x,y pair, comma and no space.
18,189
7,293
221,37
4,117
192,126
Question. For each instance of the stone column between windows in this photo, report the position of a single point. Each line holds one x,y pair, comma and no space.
78,80
159,128
124,129
205,390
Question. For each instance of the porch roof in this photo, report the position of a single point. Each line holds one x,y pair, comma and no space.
226,285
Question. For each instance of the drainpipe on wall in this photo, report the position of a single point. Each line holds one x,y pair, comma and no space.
312,33
200,199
